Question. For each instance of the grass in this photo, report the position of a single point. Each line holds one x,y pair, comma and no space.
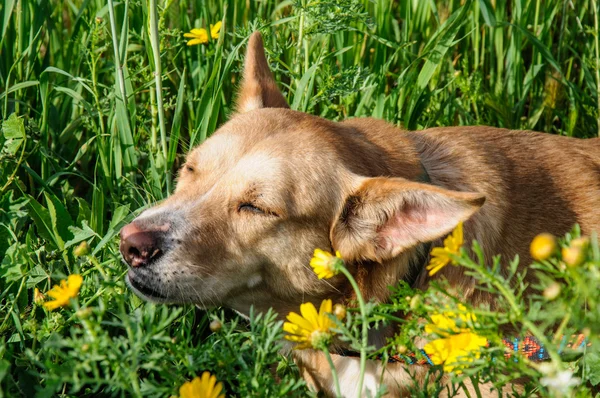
100,101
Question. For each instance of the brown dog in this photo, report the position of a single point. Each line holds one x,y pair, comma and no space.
272,184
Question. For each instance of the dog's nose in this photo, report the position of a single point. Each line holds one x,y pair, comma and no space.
139,246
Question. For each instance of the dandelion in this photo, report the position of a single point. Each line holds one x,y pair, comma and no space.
311,329
62,294
325,264
205,387
542,246
200,36
440,256
456,345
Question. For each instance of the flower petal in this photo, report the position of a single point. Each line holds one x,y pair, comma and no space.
309,312
194,42
299,321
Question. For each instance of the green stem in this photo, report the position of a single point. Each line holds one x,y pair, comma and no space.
475,384
118,66
97,265
365,328
334,375
155,43
16,168
300,40
12,306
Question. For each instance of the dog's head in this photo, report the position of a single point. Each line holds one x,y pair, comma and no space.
271,185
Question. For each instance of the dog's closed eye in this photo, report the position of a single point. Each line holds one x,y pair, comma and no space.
249,207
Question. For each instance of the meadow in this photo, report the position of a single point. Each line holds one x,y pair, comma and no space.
101,100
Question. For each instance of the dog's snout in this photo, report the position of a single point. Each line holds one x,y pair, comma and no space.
140,246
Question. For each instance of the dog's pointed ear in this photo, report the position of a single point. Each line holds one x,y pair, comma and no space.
385,216
258,89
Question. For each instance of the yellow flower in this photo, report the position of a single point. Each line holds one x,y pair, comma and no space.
455,349
542,246
456,344
311,329
200,36
444,324
573,256
67,290
205,387
215,29
440,256
325,264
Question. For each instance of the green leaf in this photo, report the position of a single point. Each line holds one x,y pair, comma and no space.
8,10
118,216
60,220
592,367
42,221
10,268
35,275
19,86
488,13
80,234
13,130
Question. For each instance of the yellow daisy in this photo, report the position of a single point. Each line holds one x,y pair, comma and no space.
200,36
325,264
454,350
440,256
311,329
62,294
205,387
456,345
215,29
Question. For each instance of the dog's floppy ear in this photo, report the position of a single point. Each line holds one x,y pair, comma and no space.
258,89
385,216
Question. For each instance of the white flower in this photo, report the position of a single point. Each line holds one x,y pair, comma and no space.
560,382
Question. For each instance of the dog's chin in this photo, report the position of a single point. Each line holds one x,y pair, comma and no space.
144,291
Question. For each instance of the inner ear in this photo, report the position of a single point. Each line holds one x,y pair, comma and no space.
258,88
386,216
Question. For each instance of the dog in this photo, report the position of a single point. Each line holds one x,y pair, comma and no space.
256,198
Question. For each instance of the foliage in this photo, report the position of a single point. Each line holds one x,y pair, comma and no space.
88,140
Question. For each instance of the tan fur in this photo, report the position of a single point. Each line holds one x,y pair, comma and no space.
359,187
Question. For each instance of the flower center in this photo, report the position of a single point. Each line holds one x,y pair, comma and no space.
320,339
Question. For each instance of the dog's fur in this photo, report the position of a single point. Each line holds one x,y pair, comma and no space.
272,184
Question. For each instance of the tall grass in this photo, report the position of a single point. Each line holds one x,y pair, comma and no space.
100,101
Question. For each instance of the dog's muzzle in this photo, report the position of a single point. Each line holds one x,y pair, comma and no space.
139,246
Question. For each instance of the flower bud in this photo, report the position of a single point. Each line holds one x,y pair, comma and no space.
339,311
543,246
401,349
215,326
573,256
38,297
82,249
582,242
415,302
83,313
552,291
